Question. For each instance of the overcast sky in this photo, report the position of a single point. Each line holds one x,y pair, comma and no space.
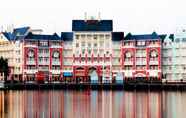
136,16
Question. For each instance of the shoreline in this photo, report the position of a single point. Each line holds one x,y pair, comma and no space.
88,86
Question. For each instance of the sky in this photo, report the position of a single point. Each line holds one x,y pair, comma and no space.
135,16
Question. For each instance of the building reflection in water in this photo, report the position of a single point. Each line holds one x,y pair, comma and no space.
91,104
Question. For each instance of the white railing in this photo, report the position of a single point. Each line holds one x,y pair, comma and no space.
56,46
128,63
56,63
29,45
43,63
30,62
153,62
44,54
153,73
141,62
30,71
55,71
128,73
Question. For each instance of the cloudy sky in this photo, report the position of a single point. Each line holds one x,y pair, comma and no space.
136,16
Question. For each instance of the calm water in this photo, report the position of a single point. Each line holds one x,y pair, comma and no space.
92,104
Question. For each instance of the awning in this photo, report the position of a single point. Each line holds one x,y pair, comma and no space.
67,74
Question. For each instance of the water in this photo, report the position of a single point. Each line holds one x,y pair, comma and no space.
92,104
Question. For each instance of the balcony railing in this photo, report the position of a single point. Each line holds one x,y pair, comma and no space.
128,63
43,63
44,55
141,62
153,61
55,71
31,71
56,62
30,63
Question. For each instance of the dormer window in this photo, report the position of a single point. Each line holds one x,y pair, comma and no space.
140,43
165,43
177,40
43,43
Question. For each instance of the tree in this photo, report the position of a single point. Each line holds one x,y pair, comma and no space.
4,67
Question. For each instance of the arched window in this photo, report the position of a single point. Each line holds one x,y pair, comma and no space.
31,53
153,54
128,54
55,54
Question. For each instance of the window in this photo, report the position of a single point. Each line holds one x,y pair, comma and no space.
101,36
140,43
101,44
83,51
83,36
177,40
77,45
89,58
107,36
95,37
88,36
57,43
184,39
89,44
43,43
19,60
89,51
83,59
95,51
77,36
83,44
95,44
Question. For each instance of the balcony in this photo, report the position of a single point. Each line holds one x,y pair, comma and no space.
55,71
56,62
153,73
43,62
128,63
30,63
56,46
31,45
153,61
128,73
44,55
141,62
30,71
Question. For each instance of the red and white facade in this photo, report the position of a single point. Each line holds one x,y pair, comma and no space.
42,58
141,57
92,46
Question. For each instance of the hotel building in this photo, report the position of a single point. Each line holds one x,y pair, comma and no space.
11,49
42,57
141,57
174,56
92,46
93,51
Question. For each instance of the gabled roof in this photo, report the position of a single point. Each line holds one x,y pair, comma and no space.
153,36
92,25
21,31
9,35
171,36
67,36
17,34
162,36
42,37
